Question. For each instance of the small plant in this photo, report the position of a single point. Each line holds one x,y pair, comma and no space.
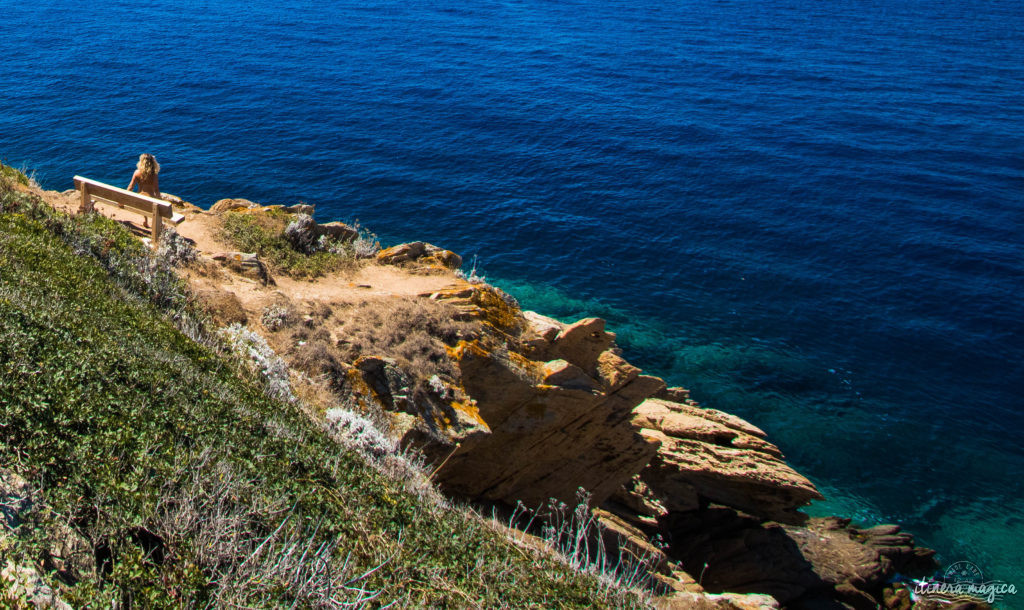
472,276
301,234
275,316
175,249
366,244
356,432
264,361
578,537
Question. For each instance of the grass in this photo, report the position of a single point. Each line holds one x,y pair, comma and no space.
13,175
180,481
264,234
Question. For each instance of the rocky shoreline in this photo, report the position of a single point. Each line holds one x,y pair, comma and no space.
519,409
557,408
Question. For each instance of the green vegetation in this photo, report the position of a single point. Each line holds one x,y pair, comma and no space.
264,234
9,173
162,476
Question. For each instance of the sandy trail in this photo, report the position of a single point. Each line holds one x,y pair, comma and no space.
369,282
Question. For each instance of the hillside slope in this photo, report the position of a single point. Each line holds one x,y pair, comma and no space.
141,468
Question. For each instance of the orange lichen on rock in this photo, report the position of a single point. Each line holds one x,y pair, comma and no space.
464,349
469,409
499,310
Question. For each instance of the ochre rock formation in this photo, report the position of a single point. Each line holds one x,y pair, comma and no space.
421,252
227,205
560,409
565,411
708,456
525,408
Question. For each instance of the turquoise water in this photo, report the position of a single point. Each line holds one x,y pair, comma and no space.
808,214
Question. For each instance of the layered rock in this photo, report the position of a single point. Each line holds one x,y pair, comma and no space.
823,563
707,456
556,425
565,411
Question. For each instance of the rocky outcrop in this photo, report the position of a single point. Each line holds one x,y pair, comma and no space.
299,208
823,563
556,408
436,414
246,264
555,425
565,411
227,205
707,456
421,252
306,236
337,231
525,408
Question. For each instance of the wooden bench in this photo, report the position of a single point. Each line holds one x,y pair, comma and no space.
156,209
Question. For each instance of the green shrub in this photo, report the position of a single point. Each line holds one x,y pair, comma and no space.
264,234
9,173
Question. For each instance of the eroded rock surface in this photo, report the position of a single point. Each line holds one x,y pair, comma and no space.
421,252
708,456
565,411
518,406
824,563
556,425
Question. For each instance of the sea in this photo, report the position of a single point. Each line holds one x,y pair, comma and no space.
808,213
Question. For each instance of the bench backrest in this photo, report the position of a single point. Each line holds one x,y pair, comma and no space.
142,203
156,209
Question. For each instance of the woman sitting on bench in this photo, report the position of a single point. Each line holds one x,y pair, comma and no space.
146,176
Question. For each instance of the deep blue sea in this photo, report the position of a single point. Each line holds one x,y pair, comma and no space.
810,213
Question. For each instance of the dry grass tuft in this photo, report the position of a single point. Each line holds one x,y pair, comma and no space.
413,332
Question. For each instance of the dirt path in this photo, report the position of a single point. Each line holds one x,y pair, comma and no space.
370,282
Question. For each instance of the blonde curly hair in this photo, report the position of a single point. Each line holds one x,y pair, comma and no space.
147,165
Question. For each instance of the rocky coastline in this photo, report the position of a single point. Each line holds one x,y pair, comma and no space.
520,409
519,412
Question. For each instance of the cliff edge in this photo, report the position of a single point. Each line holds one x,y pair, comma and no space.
518,411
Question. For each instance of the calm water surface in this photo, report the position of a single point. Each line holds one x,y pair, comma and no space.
808,213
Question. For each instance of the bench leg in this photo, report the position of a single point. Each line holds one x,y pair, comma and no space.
158,223
86,200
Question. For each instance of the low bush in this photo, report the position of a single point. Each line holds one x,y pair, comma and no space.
415,332
11,174
266,234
